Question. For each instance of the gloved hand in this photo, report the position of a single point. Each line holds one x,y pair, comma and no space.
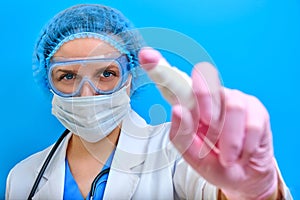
222,133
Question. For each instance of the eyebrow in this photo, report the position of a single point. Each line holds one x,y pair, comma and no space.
112,68
66,70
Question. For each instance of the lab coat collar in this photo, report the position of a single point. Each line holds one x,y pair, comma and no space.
51,185
129,158
133,142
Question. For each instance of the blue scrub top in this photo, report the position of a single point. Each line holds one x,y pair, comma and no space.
71,189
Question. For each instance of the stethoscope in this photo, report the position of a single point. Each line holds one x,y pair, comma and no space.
47,161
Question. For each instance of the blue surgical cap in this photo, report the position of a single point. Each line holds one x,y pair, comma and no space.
88,21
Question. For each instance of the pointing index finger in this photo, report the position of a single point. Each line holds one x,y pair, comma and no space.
175,85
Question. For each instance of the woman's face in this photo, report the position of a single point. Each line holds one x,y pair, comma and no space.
102,74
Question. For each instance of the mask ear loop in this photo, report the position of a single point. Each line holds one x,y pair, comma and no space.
128,81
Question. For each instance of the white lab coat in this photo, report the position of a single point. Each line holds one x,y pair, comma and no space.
145,166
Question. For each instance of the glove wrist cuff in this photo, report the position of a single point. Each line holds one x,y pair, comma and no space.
269,192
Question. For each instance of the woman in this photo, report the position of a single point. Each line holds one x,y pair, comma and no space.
88,57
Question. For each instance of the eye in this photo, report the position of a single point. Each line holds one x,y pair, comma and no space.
108,73
67,76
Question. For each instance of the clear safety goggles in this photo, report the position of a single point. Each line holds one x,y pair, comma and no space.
105,75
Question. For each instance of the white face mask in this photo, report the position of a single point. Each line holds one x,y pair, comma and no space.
92,117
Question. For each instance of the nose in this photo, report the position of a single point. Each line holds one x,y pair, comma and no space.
87,90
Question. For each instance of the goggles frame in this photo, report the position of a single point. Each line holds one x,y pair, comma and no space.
122,61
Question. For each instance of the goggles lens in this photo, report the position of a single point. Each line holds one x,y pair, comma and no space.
105,75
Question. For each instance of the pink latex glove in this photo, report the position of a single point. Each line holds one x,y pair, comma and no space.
223,134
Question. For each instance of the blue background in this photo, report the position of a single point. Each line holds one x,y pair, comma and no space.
254,43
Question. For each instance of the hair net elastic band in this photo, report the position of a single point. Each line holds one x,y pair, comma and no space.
105,38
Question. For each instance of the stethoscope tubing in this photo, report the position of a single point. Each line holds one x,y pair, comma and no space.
46,163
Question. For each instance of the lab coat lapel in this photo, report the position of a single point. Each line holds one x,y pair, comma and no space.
52,182
129,159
